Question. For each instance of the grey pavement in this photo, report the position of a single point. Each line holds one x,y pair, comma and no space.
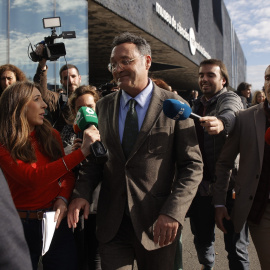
190,260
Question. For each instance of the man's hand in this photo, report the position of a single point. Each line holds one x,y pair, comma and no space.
220,214
76,144
165,230
211,124
60,208
74,209
39,51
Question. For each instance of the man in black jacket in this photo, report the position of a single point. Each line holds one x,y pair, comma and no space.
217,107
58,111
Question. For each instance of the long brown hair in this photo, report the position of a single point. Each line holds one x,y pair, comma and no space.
14,126
20,76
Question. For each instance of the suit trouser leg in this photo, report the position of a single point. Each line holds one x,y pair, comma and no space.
125,248
87,250
236,244
260,234
202,224
178,260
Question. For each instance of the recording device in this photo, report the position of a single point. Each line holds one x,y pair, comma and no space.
85,118
177,110
51,51
106,88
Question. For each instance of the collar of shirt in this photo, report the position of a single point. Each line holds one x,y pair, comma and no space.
141,98
143,101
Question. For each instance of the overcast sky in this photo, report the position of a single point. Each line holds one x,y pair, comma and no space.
251,20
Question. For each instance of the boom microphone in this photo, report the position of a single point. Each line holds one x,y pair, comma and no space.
85,118
178,110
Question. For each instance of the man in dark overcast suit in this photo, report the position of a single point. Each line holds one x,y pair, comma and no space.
252,183
14,253
146,193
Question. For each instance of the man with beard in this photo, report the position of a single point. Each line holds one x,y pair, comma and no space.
217,107
250,138
70,78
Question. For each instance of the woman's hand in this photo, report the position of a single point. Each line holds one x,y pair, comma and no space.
90,135
60,208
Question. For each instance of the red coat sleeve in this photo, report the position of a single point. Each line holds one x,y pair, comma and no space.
43,171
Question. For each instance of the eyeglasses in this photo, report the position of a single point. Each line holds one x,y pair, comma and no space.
122,64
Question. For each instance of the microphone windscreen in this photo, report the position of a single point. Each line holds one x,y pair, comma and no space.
267,136
85,117
176,110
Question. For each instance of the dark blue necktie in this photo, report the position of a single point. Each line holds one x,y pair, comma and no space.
131,128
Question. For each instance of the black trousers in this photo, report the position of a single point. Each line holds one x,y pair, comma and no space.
62,252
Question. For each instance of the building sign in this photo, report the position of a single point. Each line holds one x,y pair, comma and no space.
189,36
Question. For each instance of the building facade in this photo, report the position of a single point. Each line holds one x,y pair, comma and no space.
182,33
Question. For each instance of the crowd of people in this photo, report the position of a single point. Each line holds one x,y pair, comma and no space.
159,171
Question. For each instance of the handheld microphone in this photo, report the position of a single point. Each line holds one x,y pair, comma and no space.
178,110
85,118
267,136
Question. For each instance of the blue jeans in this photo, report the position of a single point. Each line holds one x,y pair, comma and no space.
202,222
62,252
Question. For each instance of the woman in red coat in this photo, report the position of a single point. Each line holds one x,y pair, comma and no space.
38,172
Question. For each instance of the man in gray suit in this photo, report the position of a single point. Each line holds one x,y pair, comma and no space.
252,186
14,253
146,192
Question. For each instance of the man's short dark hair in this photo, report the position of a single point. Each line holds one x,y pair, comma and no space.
242,87
141,44
223,69
66,67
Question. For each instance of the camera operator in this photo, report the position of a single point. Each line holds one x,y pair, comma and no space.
59,111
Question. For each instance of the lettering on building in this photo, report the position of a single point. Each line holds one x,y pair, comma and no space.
189,36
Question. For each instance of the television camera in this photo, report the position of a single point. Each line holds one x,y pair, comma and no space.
51,50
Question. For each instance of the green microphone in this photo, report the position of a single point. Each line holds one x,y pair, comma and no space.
85,118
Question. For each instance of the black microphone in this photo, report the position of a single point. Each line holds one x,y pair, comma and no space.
178,110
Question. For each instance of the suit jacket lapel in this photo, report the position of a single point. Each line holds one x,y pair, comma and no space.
259,118
113,122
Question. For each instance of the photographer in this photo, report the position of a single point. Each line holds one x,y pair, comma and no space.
57,102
